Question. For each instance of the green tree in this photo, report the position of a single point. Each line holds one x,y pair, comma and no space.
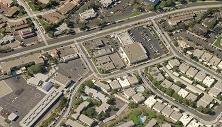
133,105
34,69
90,112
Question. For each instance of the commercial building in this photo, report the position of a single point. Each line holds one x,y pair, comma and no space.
62,80
124,38
134,53
44,105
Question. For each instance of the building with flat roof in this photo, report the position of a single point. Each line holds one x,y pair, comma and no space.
86,120
12,116
88,14
200,76
124,38
117,61
191,72
62,80
134,53
39,110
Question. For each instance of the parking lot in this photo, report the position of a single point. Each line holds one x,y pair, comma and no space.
23,98
148,39
74,69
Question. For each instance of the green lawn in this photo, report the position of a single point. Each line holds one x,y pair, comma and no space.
217,42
